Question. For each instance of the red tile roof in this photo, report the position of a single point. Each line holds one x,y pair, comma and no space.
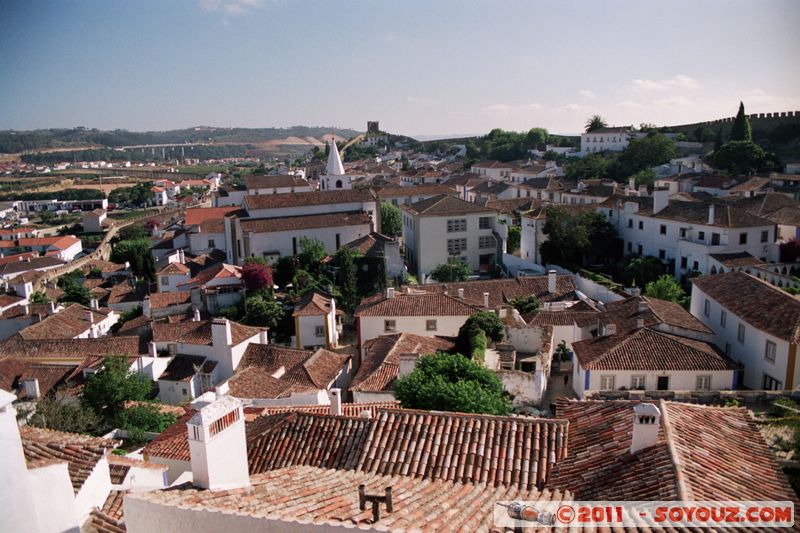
381,362
191,332
198,215
161,300
445,205
66,324
757,302
417,304
294,199
312,304
502,291
69,349
307,222
174,269
109,519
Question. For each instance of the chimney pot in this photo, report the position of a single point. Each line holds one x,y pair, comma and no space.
263,336
646,421
196,316
152,351
89,316
390,293
408,362
336,402
639,323
486,299
461,293
551,281
31,388
610,329
711,214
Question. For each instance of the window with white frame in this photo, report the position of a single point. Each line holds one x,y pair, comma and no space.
456,246
707,307
389,325
703,382
637,382
165,281
486,241
606,382
485,222
769,351
319,331
430,325
212,243
456,224
740,333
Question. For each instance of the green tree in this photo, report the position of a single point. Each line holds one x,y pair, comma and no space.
133,232
536,136
144,417
590,166
640,154
645,177
347,279
114,384
642,270
451,382
450,272
263,312
312,252
514,239
487,322
391,220
742,157
595,122
583,238
74,290
285,269
562,352
137,253
39,297
740,130
666,288
75,418
526,304
304,281
718,140
704,134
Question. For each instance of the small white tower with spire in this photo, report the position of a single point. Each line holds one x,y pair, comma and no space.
334,177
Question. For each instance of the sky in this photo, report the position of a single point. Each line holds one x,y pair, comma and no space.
420,67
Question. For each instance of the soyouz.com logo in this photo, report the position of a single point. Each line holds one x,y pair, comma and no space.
656,514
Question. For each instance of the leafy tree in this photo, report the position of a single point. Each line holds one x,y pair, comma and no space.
285,269
312,252
666,288
577,238
704,134
718,140
133,232
137,253
391,220
740,130
507,145
74,290
144,417
76,418
536,136
449,272
590,166
642,270
39,297
595,122
561,353
257,277
742,157
451,382
645,177
514,239
263,312
526,304
107,390
641,154
488,322
347,280
304,281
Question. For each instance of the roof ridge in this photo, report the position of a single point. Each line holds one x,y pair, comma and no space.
684,494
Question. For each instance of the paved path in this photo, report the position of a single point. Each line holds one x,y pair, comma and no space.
556,388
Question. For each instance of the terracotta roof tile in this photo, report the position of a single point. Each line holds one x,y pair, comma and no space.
69,349
66,324
252,181
108,519
417,304
445,205
502,291
198,215
191,332
312,304
161,300
327,220
294,199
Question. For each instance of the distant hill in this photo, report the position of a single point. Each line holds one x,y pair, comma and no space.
267,139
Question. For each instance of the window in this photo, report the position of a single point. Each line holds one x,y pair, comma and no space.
606,382
165,281
206,382
630,247
695,265
211,243
701,235
389,325
630,222
769,351
728,349
639,249
641,224
684,262
771,383
683,233
319,331
715,239
740,333
765,236
457,224
338,241
430,325
662,229
662,254
637,382
456,246
707,307
485,222
703,382
723,318
486,241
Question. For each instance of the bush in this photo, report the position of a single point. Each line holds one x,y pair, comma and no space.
479,344
144,418
476,331
451,272
526,304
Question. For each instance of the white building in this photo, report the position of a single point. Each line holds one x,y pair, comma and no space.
281,184
493,169
334,177
316,323
93,220
613,139
172,276
443,229
755,323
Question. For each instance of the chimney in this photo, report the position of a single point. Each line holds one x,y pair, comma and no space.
711,214
89,316
408,362
461,293
93,331
26,308
181,257
660,200
336,401
146,306
221,332
551,281
486,300
639,323
642,307
217,445
263,336
631,184
51,308
94,304
390,293
610,329
642,190
152,351
646,421
196,316
31,388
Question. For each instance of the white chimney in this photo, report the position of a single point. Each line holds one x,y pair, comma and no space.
31,388
390,293
146,306
196,316
631,184
610,329
711,214
336,401
89,316
551,281
642,307
646,421
642,190
486,299
181,257
639,323
408,362
152,351
93,331
218,446
221,332
263,336
660,200
460,293
51,308
93,304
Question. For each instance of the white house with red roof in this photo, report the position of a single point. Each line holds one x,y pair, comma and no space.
316,323
172,276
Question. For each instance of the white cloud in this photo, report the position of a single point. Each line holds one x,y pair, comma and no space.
768,103
570,108
420,100
674,101
629,104
681,81
498,108
532,107
233,8
586,93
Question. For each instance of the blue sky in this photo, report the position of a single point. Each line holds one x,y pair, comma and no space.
420,67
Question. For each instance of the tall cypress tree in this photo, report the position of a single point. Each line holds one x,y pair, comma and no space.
740,131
